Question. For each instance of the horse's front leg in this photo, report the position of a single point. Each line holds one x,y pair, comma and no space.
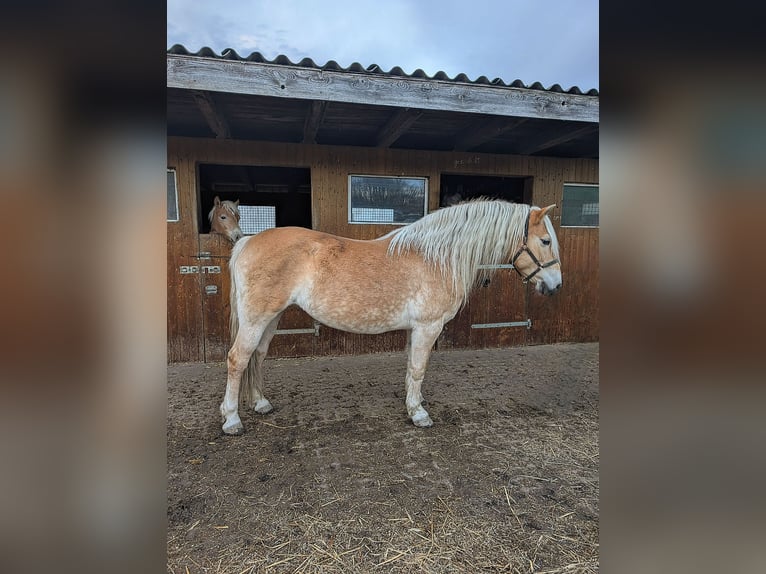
421,341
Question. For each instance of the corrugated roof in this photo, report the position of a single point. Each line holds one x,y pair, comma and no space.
396,71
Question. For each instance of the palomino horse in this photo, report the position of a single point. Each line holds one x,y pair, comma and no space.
224,219
415,278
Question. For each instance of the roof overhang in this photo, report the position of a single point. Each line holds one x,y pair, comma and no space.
241,99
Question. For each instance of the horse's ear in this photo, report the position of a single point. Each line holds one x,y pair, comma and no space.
546,211
538,215
217,201
236,203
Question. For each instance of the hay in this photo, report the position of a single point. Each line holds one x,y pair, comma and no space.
496,486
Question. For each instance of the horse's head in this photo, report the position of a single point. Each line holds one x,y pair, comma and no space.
537,259
224,219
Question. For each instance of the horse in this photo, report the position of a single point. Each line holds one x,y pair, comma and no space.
224,219
415,278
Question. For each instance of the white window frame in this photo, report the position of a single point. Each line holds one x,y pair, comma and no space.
399,223
175,187
563,190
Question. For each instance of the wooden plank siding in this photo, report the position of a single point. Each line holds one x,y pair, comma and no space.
215,307
572,315
184,327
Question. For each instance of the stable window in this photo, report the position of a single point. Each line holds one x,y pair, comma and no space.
580,206
269,196
383,199
172,196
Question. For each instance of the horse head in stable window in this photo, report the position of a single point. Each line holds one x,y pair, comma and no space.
415,278
224,219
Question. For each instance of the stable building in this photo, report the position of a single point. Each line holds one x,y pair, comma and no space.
356,152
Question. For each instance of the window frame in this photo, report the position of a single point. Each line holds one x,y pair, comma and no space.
175,189
378,176
563,191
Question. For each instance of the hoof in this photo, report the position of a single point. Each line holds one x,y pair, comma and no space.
234,429
262,407
421,419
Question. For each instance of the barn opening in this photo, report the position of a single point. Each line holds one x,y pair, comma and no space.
455,188
268,196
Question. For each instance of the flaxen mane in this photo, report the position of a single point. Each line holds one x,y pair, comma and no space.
461,238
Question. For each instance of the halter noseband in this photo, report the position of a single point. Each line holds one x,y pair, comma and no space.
525,249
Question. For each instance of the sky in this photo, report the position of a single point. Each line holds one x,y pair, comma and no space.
546,41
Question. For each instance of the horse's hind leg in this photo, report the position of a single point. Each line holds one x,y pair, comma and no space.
421,341
247,340
258,402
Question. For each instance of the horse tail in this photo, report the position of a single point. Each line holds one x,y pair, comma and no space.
247,382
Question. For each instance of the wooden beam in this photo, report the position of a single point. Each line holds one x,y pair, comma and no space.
297,82
569,136
396,125
484,131
213,116
313,121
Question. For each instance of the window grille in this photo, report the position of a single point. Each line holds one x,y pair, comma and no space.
256,218
372,215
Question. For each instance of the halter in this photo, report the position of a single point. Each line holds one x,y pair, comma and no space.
525,249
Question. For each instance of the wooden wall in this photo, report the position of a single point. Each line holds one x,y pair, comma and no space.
571,315
185,332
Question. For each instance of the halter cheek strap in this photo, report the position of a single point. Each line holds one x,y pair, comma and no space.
525,249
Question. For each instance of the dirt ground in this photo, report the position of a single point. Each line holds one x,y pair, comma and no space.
336,478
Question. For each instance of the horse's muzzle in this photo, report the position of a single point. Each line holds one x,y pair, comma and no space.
548,291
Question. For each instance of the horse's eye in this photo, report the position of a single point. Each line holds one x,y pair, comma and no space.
545,242
223,217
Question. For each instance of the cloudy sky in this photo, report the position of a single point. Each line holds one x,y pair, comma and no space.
550,41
